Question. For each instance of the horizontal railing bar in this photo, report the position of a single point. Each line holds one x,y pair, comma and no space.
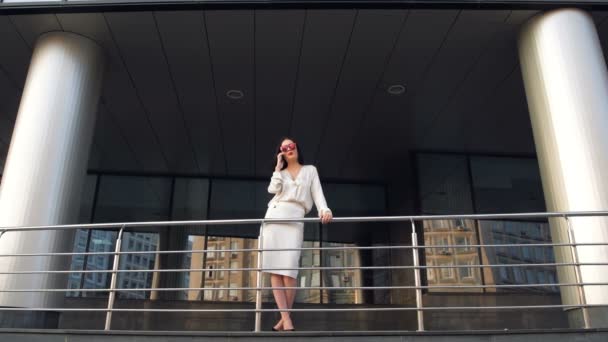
313,268
536,288
313,220
436,308
195,251
307,288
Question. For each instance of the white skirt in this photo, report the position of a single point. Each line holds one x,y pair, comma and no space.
282,235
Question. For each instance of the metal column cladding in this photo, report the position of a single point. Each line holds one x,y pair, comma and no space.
566,86
47,161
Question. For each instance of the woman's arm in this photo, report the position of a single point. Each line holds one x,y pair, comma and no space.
276,183
317,194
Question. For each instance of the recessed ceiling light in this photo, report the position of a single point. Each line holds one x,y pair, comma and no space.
396,89
235,94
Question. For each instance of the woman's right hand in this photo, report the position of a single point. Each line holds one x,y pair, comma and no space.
279,166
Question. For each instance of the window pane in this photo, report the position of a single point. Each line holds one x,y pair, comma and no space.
231,261
100,241
87,199
505,232
355,200
444,186
190,202
308,278
506,185
82,235
126,199
342,278
190,197
232,199
138,279
456,233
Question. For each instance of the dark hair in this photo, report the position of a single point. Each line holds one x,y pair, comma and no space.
278,150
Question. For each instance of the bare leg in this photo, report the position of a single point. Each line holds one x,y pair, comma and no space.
290,293
276,280
284,324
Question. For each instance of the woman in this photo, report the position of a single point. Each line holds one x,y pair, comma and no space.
296,187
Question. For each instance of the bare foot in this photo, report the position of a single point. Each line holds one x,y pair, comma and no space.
279,325
287,324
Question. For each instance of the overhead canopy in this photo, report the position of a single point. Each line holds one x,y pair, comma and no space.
212,91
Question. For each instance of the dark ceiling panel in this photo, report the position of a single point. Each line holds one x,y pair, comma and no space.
599,17
602,31
30,26
15,56
372,44
10,96
14,60
6,125
185,43
418,43
119,96
503,124
326,39
142,50
277,54
520,17
494,66
167,85
95,156
115,153
6,132
231,42
466,42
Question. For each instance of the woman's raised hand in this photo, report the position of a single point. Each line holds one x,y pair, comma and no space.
279,166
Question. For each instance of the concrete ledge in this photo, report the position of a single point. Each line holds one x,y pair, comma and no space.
562,335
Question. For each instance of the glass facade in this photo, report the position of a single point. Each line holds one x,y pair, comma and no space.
460,184
508,232
113,198
457,184
447,184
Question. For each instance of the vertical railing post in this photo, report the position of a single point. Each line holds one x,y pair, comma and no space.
259,282
112,295
577,273
417,278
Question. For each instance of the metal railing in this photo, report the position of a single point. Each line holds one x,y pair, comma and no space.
416,266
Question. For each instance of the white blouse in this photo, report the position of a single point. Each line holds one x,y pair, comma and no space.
303,190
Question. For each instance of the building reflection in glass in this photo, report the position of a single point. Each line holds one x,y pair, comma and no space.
342,278
105,241
221,272
465,232
517,232
111,198
217,263
451,233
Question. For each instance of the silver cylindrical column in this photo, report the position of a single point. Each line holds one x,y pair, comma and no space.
566,86
47,161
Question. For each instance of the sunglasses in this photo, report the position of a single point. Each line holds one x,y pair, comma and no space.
288,147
